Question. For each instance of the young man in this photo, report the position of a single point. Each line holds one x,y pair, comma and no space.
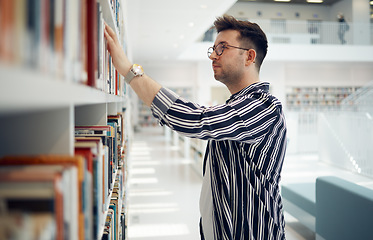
240,197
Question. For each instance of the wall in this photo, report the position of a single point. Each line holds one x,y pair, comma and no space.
172,74
344,7
328,74
275,74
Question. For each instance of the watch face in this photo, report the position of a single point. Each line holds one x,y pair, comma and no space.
137,69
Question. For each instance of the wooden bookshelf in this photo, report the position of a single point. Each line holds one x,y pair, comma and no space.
43,97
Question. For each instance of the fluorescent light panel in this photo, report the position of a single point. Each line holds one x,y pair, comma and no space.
314,1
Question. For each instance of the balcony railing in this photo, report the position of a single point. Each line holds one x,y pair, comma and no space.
311,32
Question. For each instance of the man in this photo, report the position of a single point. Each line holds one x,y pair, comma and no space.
343,27
240,197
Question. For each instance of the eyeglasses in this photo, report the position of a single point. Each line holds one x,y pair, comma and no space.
219,49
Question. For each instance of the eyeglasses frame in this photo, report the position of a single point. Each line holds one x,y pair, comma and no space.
224,46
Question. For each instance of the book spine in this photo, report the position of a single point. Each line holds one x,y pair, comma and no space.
91,42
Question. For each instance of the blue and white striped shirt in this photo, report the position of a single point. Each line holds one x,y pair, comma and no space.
244,157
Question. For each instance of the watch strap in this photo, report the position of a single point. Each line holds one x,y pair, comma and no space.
129,76
135,71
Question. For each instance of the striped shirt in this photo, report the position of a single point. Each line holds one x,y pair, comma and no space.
240,196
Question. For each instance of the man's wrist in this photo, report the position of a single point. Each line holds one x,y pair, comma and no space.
134,71
125,68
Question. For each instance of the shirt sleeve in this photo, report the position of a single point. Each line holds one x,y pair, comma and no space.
245,120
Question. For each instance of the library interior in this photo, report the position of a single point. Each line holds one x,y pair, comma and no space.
82,157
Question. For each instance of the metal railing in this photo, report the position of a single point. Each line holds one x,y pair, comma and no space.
311,32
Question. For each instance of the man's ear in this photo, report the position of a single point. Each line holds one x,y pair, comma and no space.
250,56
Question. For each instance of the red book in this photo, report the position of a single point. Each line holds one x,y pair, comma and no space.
85,149
7,30
92,41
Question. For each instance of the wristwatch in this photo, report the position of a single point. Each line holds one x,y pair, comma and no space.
135,71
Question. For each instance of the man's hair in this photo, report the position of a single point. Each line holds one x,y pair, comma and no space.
251,35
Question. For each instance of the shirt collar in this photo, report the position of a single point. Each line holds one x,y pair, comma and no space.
263,86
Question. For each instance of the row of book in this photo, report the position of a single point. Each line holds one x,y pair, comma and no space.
68,197
116,8
61,38
108,79
115,222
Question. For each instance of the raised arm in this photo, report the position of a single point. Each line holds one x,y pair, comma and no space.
145,87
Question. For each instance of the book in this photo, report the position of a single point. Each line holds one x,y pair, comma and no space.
98,143
63,38
50,38
58,33
93,147
89,151
74,208
107,135
40,189
92,42
72,39
110,138
101,47
16,225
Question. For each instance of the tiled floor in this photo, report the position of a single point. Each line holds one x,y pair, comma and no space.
164,189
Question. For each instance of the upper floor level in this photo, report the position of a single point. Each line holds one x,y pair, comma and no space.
308,32
303,40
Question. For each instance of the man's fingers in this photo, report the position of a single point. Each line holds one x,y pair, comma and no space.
110,31
107,36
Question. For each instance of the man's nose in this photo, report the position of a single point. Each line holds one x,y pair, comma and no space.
213,55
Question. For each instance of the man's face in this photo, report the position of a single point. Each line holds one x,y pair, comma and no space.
229,66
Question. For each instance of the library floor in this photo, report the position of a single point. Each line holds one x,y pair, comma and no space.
164,189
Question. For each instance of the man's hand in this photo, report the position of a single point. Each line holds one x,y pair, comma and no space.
120,60
145,87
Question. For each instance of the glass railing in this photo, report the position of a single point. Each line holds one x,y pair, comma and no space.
361,100
346,136
311,32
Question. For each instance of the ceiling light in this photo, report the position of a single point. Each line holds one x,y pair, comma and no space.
314,1
282,0
191,24
371,2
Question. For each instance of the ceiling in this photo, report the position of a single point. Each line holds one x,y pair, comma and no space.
325,2
161,30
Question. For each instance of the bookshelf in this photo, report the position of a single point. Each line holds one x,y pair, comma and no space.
59,78
146,118
311,98
197,152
